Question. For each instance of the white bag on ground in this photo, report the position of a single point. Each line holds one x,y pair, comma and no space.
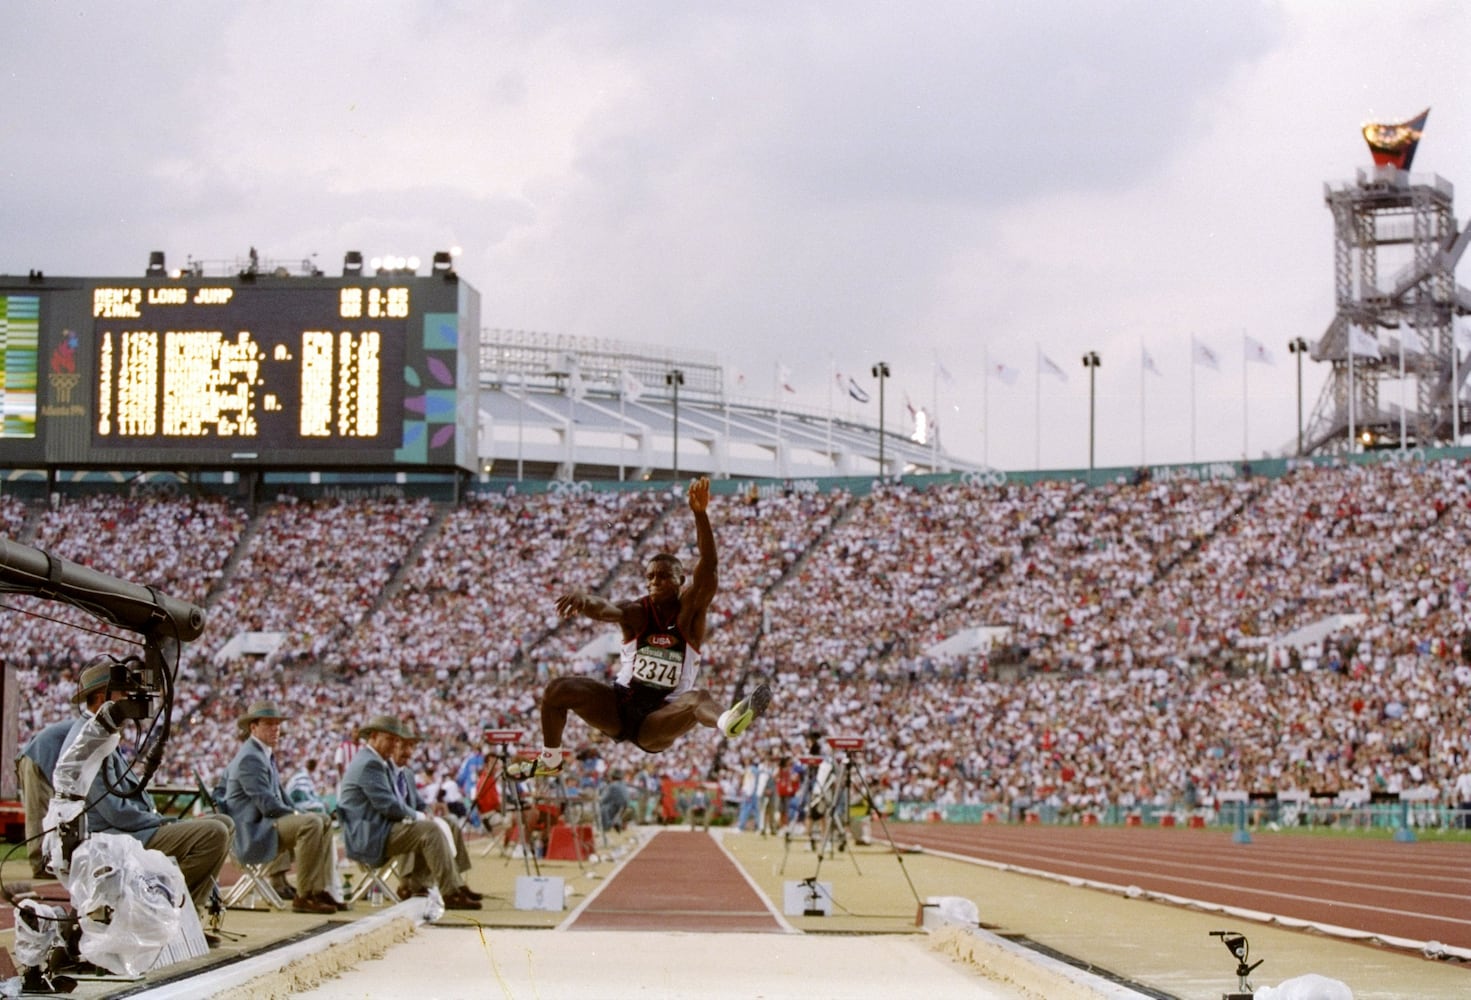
1309,987
144,891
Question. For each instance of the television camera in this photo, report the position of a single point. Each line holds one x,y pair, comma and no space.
48,936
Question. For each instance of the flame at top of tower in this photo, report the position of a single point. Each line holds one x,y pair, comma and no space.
1394,145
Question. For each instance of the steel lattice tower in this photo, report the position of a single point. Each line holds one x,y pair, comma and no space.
1396,246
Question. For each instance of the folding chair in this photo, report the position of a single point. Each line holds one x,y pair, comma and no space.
370,876
254,881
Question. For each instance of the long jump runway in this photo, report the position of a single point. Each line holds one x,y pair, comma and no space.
694,917
1410,894
678,919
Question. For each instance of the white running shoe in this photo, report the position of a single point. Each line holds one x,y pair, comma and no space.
738,718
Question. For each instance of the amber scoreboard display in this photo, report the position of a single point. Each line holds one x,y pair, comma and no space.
278,372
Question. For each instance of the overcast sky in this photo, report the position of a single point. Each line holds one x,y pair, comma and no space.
818,186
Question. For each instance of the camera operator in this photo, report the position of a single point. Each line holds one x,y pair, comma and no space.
117,803
38,758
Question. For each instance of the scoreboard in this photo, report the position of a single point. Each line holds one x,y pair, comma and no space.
256,370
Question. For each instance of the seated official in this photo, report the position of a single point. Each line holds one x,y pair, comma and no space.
267,829
378,825
118,803
408,790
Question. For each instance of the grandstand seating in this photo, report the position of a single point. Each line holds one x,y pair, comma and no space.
1141,673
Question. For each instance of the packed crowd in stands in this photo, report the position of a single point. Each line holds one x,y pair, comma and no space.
1143,662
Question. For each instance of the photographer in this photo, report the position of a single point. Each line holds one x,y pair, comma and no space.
119,804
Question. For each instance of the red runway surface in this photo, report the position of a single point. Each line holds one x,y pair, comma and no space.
1418,891
710,895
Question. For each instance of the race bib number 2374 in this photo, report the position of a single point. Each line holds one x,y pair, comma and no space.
657,667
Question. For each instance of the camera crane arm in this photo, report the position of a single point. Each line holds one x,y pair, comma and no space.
164,623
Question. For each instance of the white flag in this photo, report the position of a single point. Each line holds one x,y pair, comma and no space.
1363,344
632,387
943,372
1050,367
1257,351
1005,372
1147,360
856,391
784,378
1204,355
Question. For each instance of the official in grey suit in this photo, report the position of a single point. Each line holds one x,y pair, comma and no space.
267,828
120,804
378,825
408,790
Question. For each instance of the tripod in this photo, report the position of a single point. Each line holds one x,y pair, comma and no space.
848,776
810,767
512,804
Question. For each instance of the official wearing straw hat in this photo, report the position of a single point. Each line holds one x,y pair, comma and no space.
267,828
378,825
404,783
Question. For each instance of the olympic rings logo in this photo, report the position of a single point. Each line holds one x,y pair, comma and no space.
568,488
983,477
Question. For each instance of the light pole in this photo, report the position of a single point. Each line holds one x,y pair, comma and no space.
674,379
1091,361
1299,347
881,372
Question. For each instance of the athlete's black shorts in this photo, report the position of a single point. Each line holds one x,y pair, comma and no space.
634,705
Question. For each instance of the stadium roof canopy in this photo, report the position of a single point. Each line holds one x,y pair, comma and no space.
571,408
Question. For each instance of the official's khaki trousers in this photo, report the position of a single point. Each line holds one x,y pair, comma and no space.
307,839
433,864
198,846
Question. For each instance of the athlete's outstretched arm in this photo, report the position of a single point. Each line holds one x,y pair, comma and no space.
703,581
582,603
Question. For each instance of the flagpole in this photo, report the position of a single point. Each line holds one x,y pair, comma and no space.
1143,387
832,364
520,421
1351,432
986,406
1037,414
1455,387
1402,391
934,408
1245,451
622,426
725,452
1193,364
778,421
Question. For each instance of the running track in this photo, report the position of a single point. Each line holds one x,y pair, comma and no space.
1418,892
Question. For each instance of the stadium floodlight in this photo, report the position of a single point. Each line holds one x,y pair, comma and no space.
1298,347
1092,362
674,379
881,372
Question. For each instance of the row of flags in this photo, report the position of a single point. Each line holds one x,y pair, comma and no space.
1361,344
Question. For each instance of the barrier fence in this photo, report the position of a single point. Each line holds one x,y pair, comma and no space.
1250,814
